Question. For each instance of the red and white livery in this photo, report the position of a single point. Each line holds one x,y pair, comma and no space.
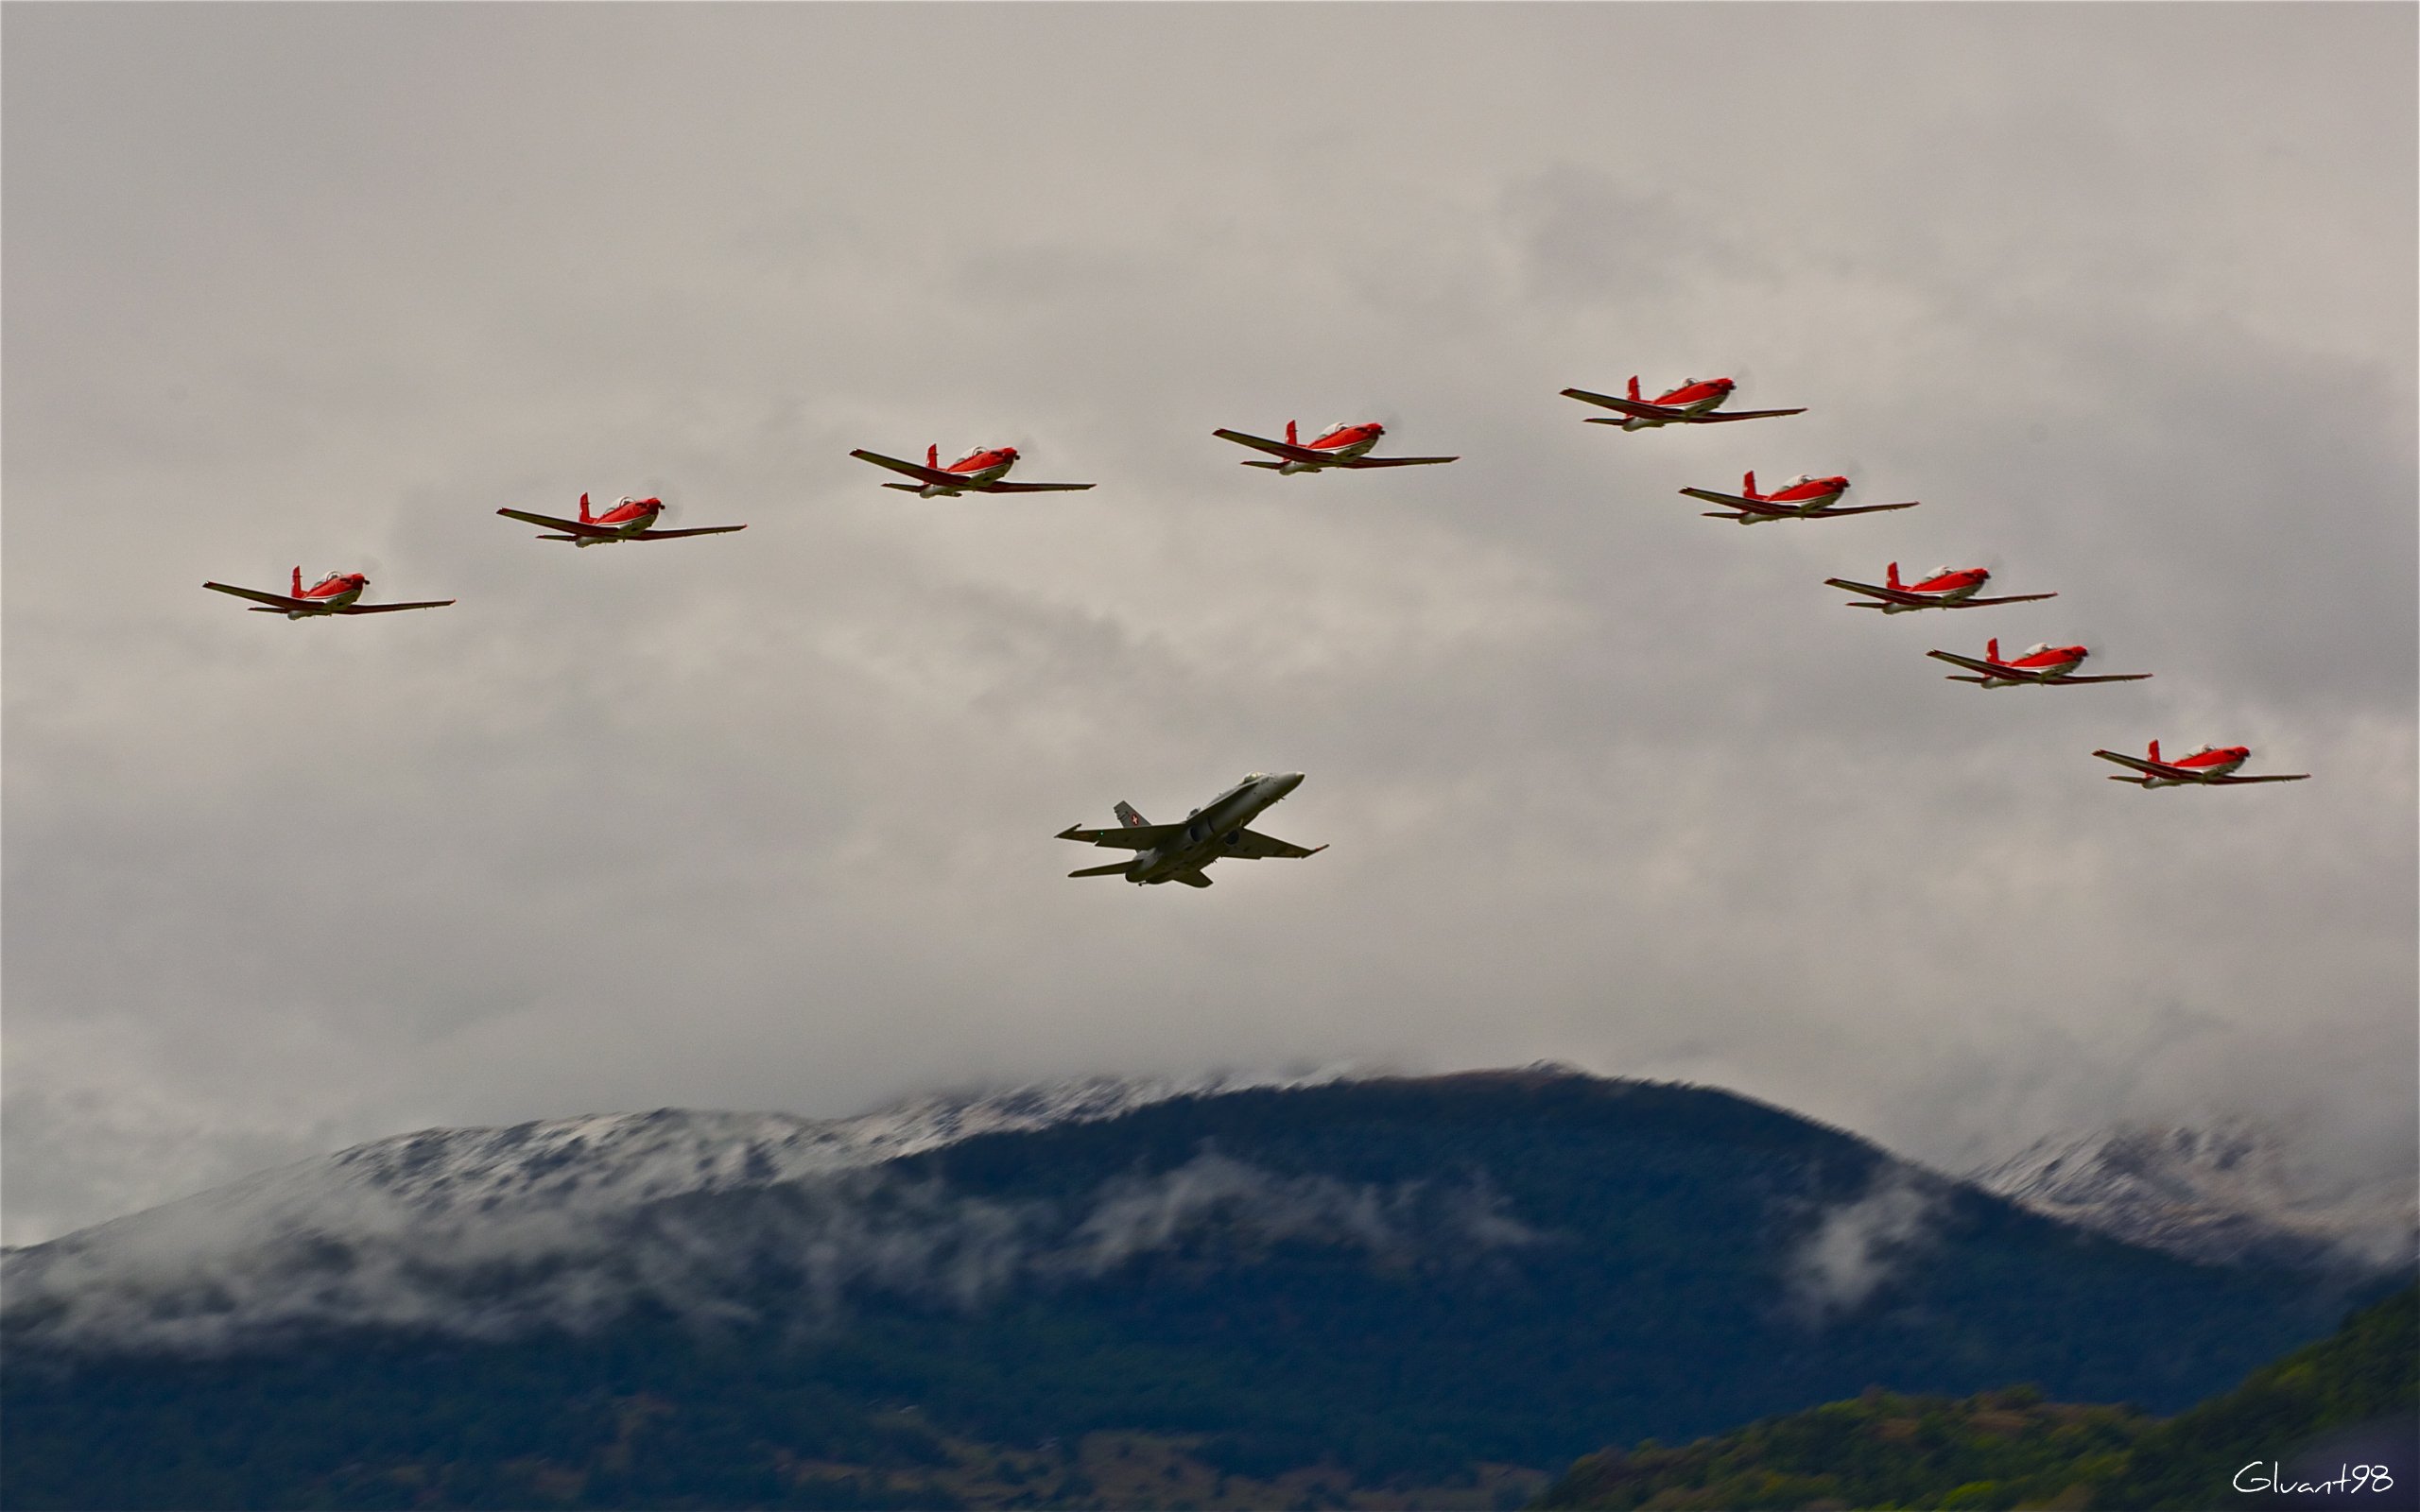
1942,587
628,519
982,471
1801,498
1693,404
336,593
2210,766
1339,445
2040,667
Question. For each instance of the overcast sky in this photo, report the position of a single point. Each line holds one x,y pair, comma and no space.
2124,294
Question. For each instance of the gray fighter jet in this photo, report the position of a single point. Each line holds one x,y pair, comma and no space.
1177,852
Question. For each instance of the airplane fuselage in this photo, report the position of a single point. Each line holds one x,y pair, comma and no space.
330,594
977,468
2203,765
1944,590
2056,663
1210,830
1342,444
626,519
1689,399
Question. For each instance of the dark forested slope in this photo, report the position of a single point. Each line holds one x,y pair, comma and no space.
1402,1279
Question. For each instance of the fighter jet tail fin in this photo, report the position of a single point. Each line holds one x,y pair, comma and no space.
1116,868
1192,879
1128,817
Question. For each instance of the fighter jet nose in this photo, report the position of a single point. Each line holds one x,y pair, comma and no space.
1288,782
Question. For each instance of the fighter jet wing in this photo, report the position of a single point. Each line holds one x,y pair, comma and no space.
391,609
1395,461
699,530
914,470
1028,488
1251,845
1125,837
2154,769
1192,879
276,600
569,527
1262,444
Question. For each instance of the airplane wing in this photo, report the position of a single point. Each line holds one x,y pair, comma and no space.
2010,599
2153,768
1125,837
1262,444
1716,416
1636,408
2112,677
1861,508
2271,777
1116,868
1396,461
391,608
1192,879
1892,595
1253,846
914,470
276,600
700,530
1028,488
570,527
1988,669
1746,505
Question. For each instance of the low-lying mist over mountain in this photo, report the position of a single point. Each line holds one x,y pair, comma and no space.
1406,1277
2229,1193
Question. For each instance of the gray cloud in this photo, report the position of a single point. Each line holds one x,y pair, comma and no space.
2124,295
1855,1246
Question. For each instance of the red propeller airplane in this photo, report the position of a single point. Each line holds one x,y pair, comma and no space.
1341,446
628,520
1943,588
336,593
1801,498
2041,665
2210,766
1692,403
977,472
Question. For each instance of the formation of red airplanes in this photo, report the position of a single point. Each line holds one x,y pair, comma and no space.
1348,446
2043,665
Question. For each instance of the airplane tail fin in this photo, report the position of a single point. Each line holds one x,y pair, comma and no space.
1290,438
1126,817
1747,488
933,454
584,518
298,581
2155,750
1633,388
1116,868
1892,580
1992,649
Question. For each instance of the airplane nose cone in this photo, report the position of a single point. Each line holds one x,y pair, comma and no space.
1288,782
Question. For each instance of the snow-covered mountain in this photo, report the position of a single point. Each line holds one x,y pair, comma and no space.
553,1222
2229,1193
